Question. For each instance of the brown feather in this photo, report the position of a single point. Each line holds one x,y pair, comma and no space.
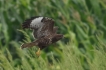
26,23
45,35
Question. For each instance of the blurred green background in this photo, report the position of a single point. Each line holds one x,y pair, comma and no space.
82,22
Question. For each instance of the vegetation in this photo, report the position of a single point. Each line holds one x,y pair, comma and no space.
83,23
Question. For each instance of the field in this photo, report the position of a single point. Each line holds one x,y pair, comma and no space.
82,22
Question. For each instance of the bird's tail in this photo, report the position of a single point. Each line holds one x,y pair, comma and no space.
25,45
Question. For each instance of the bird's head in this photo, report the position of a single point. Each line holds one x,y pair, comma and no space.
57,37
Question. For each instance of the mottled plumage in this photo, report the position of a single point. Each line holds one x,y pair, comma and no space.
43,30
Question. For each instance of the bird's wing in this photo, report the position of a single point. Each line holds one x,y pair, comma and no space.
26,23
46,29
42,26
48,26
55,29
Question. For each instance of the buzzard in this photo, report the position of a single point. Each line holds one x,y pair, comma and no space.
44,32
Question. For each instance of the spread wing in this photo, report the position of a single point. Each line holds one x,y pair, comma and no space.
41,26
46,29
48,26
26,23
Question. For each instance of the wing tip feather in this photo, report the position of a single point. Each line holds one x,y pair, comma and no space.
26,23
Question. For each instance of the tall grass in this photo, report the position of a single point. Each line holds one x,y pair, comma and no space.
72,59
83,23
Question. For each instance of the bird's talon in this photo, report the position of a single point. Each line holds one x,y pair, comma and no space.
38,52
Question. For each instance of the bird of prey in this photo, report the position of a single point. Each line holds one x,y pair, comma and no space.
44,32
